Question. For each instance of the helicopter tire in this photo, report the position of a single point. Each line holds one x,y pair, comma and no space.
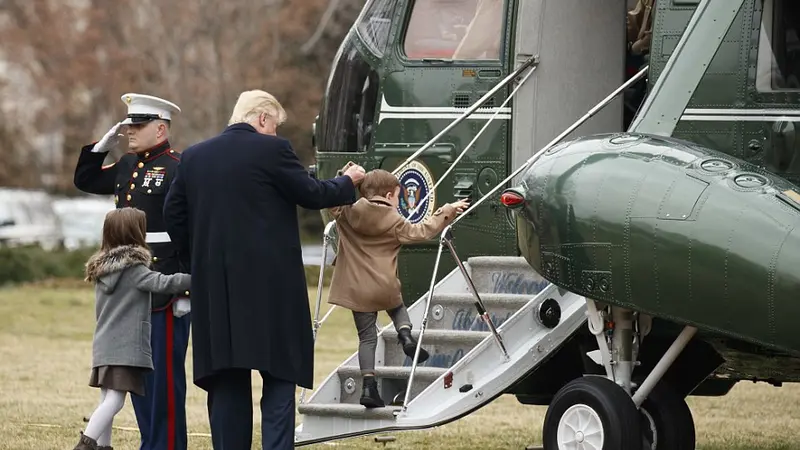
667,422
593,410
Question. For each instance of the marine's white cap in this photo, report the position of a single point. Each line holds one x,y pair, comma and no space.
144,108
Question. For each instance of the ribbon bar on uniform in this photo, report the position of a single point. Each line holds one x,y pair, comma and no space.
158,238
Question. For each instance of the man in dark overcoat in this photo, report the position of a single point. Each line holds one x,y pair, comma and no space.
233,208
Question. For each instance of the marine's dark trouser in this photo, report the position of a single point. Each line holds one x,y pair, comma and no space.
161,413
368,334
230,411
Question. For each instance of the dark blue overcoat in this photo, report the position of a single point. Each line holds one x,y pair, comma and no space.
232,211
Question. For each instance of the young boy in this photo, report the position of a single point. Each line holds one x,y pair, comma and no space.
365,281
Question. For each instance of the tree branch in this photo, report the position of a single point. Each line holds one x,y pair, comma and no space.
333,5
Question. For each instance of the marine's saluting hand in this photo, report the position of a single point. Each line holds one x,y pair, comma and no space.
109,140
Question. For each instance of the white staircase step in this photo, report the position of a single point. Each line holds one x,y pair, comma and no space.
488,299
445,347
392,380
347,411
435,336
458,312
500,262
395,372
505,275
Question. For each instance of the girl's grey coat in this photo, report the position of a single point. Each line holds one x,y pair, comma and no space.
123,283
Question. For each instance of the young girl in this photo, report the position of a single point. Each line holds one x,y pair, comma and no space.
371,232
121,352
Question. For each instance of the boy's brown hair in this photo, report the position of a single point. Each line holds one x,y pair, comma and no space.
124,226
378,182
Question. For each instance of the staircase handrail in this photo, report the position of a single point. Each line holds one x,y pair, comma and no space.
468,112
603,103
446,236
471,143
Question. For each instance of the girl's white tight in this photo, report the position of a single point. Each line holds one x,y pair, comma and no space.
99,427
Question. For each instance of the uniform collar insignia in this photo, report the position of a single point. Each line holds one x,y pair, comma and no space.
155,151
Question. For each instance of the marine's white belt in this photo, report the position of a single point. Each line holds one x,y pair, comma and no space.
158,238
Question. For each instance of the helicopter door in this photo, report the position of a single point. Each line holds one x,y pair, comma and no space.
449,54
778,87
580,65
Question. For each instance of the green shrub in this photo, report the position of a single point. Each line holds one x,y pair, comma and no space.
16,266
32,263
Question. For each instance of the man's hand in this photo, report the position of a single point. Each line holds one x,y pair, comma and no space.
341,171
356,173
108,141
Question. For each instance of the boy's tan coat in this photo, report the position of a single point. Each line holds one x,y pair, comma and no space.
371,232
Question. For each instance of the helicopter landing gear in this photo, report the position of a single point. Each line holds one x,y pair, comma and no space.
667,412
666,421
617,411
593,413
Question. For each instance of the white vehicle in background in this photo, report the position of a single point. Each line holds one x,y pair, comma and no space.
28,217
82,219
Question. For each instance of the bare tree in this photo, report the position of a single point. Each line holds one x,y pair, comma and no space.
64,65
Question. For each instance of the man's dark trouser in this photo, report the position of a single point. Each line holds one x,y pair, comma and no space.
230,411
161,413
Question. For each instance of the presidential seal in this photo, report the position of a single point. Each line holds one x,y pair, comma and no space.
416,184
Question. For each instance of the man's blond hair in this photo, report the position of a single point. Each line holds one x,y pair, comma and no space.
252,103
378,182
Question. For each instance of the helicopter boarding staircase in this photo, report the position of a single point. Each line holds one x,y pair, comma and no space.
466,368
521,320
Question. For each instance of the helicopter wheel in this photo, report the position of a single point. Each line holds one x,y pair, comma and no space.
667,422
592,413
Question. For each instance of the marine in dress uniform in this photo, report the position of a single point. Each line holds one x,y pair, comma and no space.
141,179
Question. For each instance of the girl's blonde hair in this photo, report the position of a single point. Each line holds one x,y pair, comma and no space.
124,226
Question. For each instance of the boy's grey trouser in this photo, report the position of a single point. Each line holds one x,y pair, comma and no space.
368,334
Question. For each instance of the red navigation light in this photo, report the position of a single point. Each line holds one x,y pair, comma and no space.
511,199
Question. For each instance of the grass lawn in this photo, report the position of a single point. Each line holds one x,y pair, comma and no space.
45,349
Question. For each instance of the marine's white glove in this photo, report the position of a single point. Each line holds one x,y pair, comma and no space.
109,141
181,307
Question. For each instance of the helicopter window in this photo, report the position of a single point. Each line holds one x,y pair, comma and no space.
348,110
373,25
779,46
455,29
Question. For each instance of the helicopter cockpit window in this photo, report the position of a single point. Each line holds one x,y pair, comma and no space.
779,46
455,29
373,25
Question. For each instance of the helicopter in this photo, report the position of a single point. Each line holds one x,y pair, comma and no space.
698,100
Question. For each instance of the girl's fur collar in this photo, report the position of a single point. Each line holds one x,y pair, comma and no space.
116,259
